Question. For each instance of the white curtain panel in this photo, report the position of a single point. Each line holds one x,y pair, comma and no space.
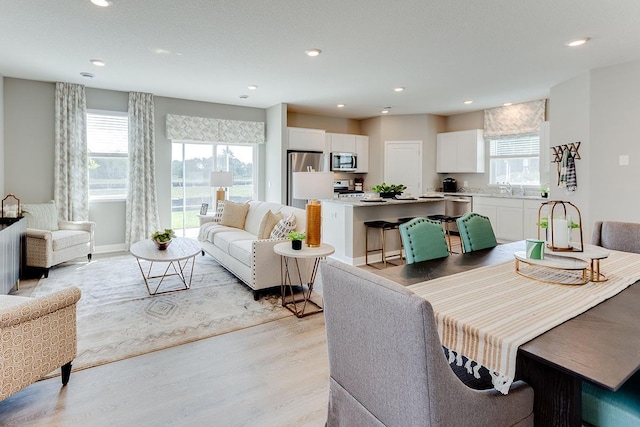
142,206
71,174
515,119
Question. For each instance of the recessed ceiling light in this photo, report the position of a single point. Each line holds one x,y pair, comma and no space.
252,87
244,96
161,51
577,42
102,3
313,52
468,102
87,75
398,89
506,104
385,111
98,62
340,105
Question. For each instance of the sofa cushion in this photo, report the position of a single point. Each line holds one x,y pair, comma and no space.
268,222
234,214
63,239
41,216
283,227
209,229
242,251
257,211
223,239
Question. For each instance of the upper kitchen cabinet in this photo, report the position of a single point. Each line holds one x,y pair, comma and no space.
362,151
306,139
341,142
461,151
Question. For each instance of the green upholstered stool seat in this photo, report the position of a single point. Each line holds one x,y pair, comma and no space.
604,408
423,239
475,232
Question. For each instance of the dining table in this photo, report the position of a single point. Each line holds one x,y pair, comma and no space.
601,345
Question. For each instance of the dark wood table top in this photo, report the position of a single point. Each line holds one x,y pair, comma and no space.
602,345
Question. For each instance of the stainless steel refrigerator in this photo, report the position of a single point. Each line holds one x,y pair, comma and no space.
301,161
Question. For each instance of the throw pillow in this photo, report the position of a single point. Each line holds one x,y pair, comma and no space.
268,222
234,214
284,227
41,216
217,216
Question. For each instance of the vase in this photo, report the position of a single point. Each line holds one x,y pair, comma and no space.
162,245
389,194
296,245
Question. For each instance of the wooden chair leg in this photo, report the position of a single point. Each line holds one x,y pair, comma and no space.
66,373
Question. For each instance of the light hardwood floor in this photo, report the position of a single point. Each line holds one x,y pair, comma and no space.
275,374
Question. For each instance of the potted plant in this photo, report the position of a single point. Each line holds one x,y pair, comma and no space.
388,190
296,240
162,239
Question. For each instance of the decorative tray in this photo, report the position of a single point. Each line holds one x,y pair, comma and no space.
372,200
432,196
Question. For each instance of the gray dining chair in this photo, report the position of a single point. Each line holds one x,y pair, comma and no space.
386,364
619,236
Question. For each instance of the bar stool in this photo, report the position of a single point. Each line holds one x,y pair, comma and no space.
446,220
383,226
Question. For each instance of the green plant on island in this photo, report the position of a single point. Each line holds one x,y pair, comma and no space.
163,236
296,235
388,188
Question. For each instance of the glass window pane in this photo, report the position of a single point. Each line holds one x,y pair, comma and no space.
107,146
515,159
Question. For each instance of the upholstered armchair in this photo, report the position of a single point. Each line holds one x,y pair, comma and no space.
387,366
38,336
51,241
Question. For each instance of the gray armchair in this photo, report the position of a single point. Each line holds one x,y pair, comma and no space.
619,236
386,363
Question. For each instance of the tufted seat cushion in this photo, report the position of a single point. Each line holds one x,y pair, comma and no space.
63,239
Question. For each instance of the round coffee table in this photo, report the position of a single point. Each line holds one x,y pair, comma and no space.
178,255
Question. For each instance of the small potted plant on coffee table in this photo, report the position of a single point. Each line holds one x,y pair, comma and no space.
296,240
162,239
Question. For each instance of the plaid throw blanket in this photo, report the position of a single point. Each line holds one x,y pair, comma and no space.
485,314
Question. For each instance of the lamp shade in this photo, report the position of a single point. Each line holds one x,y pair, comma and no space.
313,185
221,179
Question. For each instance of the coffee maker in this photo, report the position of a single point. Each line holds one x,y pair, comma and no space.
449,185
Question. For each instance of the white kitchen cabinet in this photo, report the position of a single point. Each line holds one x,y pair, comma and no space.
306,139
461,151
530,219
362,151
341,142
506,216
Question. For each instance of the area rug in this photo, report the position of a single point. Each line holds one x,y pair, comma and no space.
118,319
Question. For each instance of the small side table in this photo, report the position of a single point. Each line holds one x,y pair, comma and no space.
289,264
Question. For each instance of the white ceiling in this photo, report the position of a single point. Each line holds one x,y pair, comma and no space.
443,51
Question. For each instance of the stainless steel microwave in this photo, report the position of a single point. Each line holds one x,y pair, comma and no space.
346,162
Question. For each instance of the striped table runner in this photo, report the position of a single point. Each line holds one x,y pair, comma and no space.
485,314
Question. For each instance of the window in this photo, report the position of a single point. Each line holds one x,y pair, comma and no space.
191,165
515,159
108,146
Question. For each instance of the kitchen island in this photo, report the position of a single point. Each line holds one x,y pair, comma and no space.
343,224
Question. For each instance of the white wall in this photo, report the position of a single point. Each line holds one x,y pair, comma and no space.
274,182
615,131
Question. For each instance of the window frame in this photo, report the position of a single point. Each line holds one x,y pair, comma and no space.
108,154
515,155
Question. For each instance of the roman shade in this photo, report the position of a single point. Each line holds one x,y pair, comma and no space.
514,119
187,128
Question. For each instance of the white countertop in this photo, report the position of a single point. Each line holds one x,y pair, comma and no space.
356,201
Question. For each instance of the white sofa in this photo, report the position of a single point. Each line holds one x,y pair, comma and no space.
240,251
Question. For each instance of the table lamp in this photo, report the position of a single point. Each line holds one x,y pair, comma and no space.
221,179
313,186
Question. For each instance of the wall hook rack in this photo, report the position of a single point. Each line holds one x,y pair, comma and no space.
573,147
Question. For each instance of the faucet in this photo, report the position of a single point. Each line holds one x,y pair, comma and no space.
507,188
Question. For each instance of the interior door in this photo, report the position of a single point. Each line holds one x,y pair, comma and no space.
403,164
